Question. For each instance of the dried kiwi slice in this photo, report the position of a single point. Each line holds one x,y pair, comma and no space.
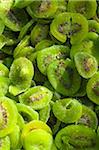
35,125
27,112
43,9
84,46
14,19
93,88
21,73
8,116
39,33
5,143
88,118
47,55
69,25
86,64
38,139
67,110
85,7
63,76
76,137
37,97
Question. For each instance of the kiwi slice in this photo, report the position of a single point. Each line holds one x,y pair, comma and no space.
85,7
63,76
39,33
69,26
43,9
8,115
47,55
41,140
88,118
64,110
4,71
76,137
5,143
86,64
14,19
93,88
37,97
38,134
84,46
27,112
21,73
45,113
35,125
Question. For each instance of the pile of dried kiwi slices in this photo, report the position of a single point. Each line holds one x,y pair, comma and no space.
49,76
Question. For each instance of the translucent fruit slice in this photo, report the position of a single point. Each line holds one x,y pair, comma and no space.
69,25
88,118
21,74
48,55
86,64
76,137
86,8
67,110
93,88
63,76
37,97
8,116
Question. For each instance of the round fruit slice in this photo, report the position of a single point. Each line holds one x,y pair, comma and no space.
48,55
38,139
64,77
27,112
93,88
43,9
86,64
37,97
35,125
69,25
8,116
87,8
84,46
76,137
88,118
67,110
21,73
39,32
